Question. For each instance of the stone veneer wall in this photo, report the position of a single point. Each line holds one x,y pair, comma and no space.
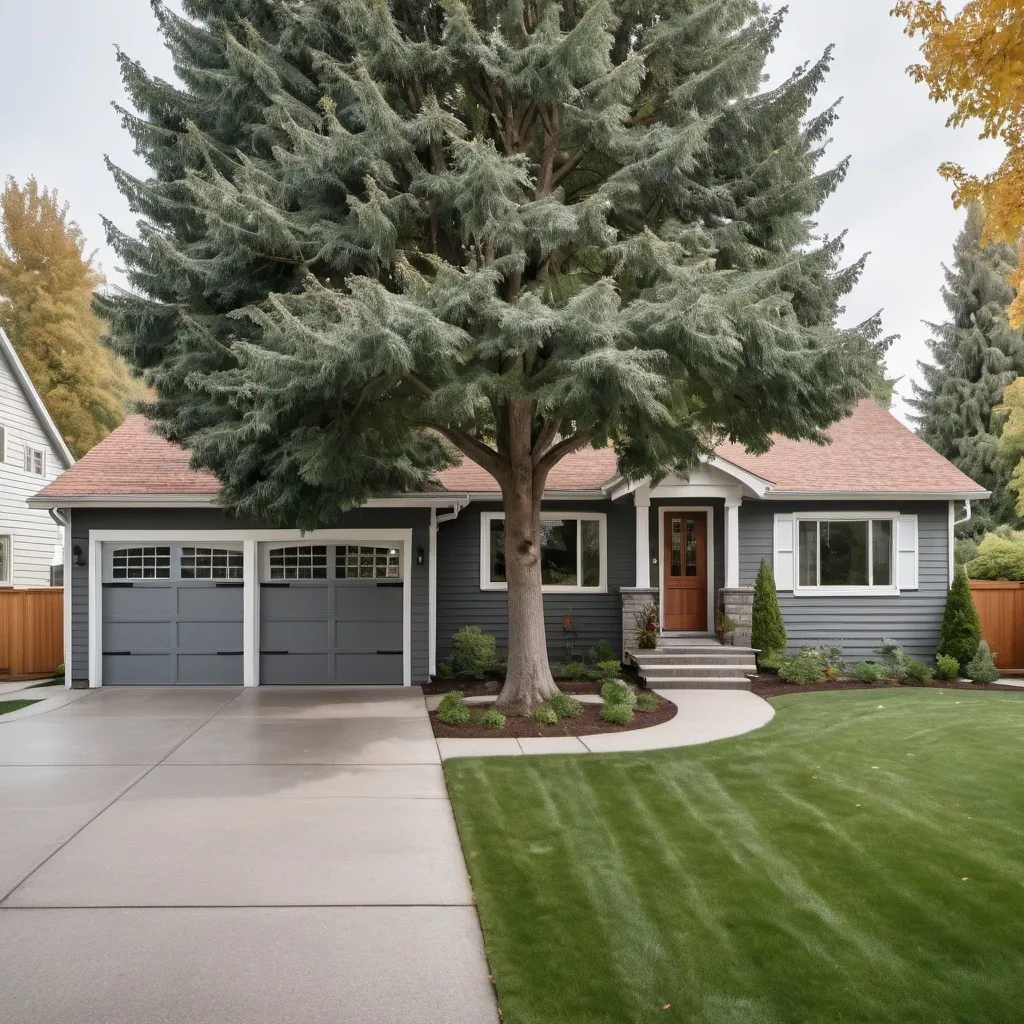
633,599
738,604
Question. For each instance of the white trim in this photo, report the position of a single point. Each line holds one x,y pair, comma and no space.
618,487
486,518
642,501
758,484
97,538
877,495
950,542
848,591
709,569
9,582
432,595
68,573
250,613
732,543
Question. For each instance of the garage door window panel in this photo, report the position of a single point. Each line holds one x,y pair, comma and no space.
305,562
211,564
142,563
367,563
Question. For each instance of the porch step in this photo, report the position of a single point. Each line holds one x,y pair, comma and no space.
702,656
717,683
668,669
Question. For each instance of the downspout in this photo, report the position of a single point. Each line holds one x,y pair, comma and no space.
967,513
435,520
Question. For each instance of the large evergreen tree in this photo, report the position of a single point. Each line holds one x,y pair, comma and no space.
377,233
976,354
46,291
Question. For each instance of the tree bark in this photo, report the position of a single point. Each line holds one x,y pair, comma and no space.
528,681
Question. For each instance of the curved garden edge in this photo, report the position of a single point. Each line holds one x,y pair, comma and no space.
701,717
772,686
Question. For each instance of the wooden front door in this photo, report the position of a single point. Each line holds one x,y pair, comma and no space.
685,570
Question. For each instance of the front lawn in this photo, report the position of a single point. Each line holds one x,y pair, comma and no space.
861,858
6,706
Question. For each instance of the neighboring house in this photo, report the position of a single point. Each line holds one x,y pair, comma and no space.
166,588
32,453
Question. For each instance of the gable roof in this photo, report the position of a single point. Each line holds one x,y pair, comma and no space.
871,453
20,375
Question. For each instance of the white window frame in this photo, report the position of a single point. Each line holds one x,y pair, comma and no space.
486,518
29,451
9,536
847,590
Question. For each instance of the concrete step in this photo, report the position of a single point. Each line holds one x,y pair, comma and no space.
697,658
695,671
717,683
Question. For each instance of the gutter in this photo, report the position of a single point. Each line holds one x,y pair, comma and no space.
967,513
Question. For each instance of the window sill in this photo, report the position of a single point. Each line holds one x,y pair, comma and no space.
550,589
846,592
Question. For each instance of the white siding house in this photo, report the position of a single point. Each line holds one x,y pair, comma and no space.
32,453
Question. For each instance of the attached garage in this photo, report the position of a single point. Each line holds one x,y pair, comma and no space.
172,614
332,614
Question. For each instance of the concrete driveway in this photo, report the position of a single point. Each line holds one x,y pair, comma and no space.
219,856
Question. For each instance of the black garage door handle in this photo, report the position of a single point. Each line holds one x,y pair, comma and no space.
219,653
119,584
229,584
276,584
273,652
117,652
390,652
389,583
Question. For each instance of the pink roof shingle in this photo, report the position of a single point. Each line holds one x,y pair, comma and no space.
871,452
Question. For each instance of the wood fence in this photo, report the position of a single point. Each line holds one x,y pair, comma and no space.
1000,605
31,632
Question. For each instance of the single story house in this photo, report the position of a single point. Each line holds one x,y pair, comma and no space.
166,588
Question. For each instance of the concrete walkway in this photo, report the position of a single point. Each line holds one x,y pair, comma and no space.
219,856
703,716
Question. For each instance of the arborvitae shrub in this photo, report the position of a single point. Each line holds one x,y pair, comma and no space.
767,630
961,630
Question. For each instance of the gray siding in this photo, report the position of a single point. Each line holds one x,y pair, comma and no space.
857,624
82,521
461,602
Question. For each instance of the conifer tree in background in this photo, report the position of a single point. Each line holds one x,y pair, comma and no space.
378,234
976,354
46,293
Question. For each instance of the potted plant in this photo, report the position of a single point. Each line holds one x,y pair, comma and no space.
647,628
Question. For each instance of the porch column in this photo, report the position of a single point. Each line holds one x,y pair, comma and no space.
642,501
251,618
732,542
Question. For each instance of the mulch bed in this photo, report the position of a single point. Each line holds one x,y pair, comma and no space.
489,688
772,686
589,723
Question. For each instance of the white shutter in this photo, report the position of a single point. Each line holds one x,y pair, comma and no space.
784,555
906,553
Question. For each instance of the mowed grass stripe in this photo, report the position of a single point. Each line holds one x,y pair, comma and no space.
739,881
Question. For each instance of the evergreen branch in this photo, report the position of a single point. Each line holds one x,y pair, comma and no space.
567,168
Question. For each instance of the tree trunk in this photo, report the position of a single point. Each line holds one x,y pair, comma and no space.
528,682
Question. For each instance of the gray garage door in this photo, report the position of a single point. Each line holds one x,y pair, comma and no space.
330,629
162,629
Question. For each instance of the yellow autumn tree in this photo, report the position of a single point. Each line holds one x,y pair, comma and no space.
975,60
1011,440
46,290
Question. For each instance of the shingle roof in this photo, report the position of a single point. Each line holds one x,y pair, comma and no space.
871,452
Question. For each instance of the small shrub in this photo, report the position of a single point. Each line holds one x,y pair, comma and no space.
998,558
494,718
893,658
947,667
767,630
473,650
961,630
869,672
620,714
647,701
618,693
726,624
602,651
831,674
917,671
647,627
981,668
573,670
832,658
805,668
544,715
609,669
565,706
451,710
770,661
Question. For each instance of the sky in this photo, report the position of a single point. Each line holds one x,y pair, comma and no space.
58,124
